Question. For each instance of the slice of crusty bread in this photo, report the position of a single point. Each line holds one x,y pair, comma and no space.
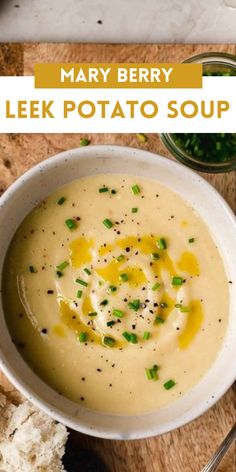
30,441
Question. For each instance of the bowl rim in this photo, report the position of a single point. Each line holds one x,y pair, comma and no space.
8,370
219,55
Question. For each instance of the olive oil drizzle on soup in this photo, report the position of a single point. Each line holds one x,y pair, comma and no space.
115,293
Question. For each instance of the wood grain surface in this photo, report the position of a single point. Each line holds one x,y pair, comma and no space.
187,449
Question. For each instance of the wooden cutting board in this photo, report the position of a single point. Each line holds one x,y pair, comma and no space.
186,449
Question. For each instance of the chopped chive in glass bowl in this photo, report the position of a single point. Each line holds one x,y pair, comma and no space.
206,152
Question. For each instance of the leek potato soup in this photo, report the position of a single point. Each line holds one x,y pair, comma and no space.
115,293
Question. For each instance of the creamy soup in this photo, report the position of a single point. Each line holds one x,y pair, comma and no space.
115,293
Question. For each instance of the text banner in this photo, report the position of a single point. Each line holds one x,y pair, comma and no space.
118,75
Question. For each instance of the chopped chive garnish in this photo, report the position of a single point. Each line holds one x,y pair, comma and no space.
117,313
208,147
104,303
178,305
191,240
169,384
59,273
84,141
146,335
120,258
177,280
107,223
123,277
126,335
112,289
155,256
142,137
79,294
61,201
149,374
32,269
111,323
71,224
183,309
63,265
130,337
103,189
92,313
83,337
81,282
108,341
87,271
161,243
159,320
164,305
156,286
135,189
152,373
133,338
134,305
134,210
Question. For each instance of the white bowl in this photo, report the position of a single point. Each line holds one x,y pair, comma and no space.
42,180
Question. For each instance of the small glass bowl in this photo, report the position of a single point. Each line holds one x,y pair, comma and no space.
213,62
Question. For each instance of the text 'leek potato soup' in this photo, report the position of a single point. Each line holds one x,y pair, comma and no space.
115,293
